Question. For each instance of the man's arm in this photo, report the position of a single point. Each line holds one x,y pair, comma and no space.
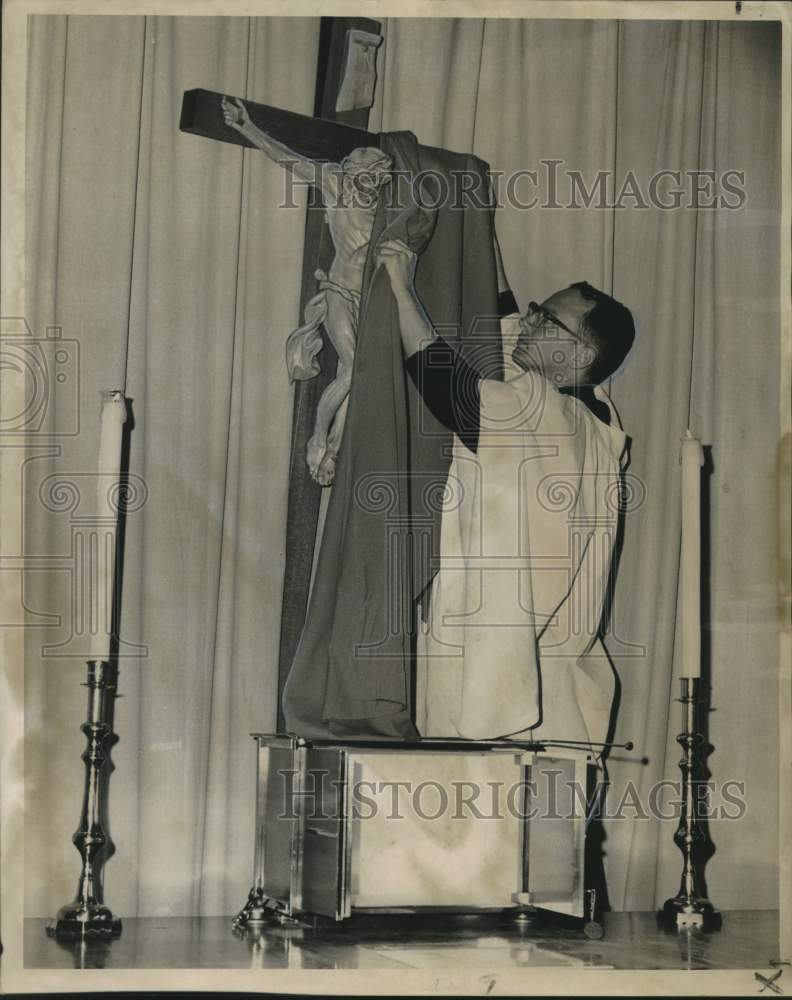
310,171
448,384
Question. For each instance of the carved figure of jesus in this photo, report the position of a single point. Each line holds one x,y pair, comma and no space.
350,191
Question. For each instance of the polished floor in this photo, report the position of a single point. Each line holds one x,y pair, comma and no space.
748,939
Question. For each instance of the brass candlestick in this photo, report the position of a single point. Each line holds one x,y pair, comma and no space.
87,916
690,908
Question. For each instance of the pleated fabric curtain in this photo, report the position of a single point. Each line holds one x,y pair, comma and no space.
167,257
703,285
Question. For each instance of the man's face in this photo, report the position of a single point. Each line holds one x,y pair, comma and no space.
561,355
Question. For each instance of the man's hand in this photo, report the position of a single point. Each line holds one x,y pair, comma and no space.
235,114
399,261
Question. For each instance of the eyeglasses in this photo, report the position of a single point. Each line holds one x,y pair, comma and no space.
546,316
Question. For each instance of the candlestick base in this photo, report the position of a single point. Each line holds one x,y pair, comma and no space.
79,920
86,916
694,914
690,909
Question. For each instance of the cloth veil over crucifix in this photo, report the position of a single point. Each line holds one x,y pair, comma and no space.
347,664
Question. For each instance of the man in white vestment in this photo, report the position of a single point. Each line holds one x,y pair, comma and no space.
511,644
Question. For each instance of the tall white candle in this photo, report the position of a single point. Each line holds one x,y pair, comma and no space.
692,459
112,419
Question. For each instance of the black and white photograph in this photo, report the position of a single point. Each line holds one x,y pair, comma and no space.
396,460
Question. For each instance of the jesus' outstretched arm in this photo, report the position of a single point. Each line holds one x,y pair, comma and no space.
310,171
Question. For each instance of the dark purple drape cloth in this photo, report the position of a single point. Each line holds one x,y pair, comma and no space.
351,671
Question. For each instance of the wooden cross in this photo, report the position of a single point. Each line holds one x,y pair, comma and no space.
329,136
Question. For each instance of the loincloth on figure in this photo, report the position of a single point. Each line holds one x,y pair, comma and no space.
304,343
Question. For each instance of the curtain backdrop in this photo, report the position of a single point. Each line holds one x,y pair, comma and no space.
167,258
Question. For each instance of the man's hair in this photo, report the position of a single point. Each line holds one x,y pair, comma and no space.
611,330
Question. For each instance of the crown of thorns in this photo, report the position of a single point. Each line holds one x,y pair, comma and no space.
368,161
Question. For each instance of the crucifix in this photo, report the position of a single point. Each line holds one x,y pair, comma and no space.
344,91
344,95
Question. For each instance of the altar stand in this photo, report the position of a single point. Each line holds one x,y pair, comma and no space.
377,826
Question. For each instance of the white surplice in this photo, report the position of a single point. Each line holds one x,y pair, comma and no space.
528,528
